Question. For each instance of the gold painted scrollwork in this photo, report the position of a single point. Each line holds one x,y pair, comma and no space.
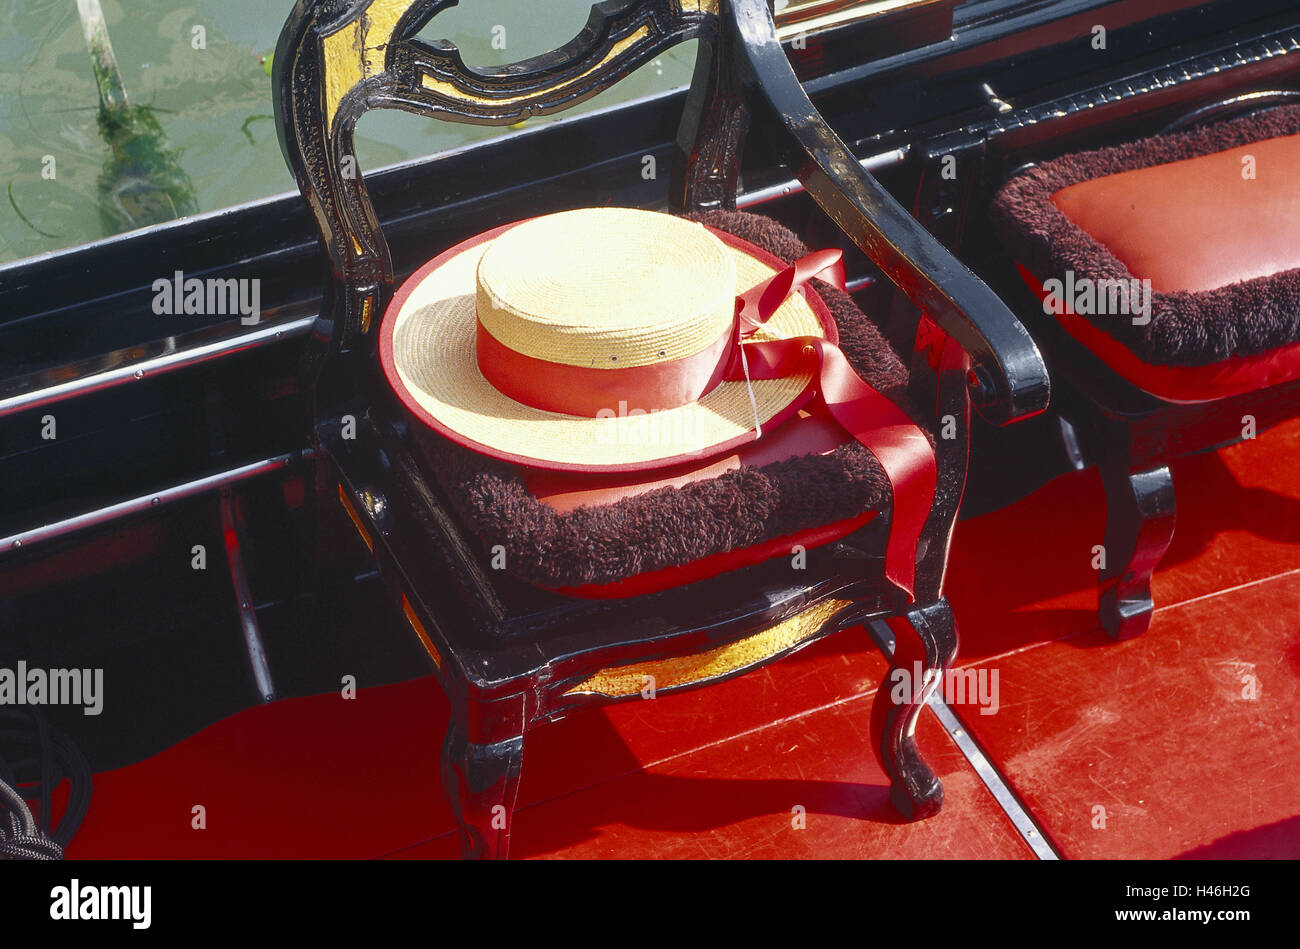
355,51
723,660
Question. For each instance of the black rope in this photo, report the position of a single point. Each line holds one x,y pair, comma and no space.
35,757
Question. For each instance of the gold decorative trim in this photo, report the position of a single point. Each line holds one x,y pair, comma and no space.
355,51
416,625
621,681
450,91
366,306
356,518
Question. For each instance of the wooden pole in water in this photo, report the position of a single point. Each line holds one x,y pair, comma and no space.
142,182
112,94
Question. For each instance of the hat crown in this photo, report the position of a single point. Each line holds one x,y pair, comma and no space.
608,288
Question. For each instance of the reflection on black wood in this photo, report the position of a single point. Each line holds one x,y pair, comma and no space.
1139,528
711,137
481,782
925,645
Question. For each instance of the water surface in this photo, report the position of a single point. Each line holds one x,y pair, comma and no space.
214,103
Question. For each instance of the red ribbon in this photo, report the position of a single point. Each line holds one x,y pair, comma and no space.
941,351
869,416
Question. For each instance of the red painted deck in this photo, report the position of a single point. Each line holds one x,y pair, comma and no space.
1187,737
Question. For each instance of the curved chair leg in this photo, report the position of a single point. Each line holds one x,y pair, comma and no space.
481,783
1139,527
925,644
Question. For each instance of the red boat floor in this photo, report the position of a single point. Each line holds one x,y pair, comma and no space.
1183,742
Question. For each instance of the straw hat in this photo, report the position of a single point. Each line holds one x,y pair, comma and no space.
592,340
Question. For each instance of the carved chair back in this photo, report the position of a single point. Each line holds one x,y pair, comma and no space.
337,59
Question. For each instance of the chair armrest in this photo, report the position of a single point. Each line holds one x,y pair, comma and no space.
1010,380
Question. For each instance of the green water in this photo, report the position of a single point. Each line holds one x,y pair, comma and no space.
214,104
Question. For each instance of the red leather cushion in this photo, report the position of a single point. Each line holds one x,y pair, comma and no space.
1197,224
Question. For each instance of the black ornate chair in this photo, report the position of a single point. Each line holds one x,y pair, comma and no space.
1215,358
509,655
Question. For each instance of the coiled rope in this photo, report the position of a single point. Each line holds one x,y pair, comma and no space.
36,756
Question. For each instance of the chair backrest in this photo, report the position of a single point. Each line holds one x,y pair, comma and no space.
337,59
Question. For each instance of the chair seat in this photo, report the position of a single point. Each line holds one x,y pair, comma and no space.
806,483
1174,259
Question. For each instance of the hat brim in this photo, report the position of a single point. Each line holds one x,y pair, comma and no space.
427,352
